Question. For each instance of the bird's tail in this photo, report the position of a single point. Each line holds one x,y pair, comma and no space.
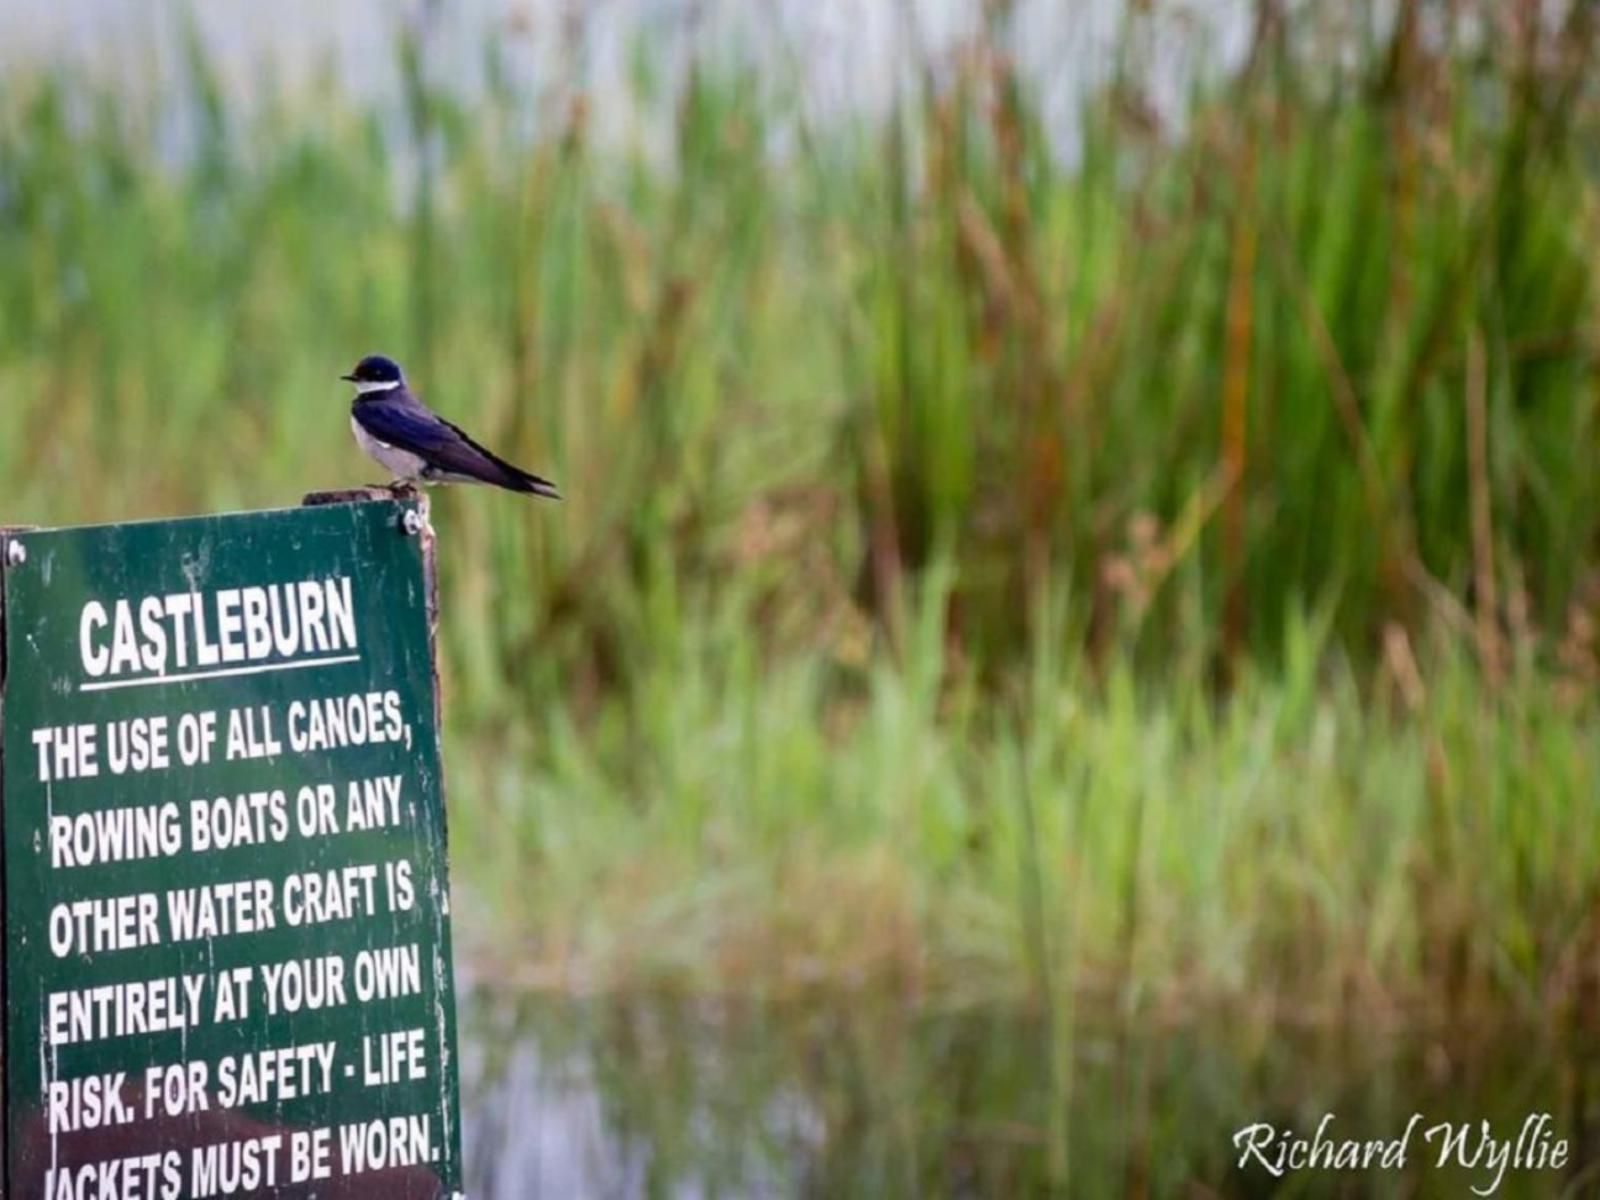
533,485
508,475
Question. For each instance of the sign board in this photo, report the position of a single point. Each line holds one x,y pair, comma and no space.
227,936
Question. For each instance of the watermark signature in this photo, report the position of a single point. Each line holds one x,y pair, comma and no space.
1475,1147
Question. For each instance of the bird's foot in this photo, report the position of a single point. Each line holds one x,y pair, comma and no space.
403,489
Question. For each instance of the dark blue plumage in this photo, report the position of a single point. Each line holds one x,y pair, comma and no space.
418,445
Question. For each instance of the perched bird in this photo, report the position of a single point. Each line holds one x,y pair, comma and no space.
419,446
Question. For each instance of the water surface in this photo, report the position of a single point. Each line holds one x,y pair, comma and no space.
660,1096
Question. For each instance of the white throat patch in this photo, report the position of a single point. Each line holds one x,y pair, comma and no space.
363,388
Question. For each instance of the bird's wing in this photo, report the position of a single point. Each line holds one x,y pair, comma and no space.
410,426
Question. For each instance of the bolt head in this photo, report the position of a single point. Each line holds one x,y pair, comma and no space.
411,522
16,554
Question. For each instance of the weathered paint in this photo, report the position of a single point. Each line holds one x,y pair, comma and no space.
379,1073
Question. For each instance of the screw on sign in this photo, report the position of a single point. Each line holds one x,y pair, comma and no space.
227,956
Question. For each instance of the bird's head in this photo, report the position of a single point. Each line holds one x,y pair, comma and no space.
375,373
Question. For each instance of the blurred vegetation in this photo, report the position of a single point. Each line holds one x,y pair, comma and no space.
1164,564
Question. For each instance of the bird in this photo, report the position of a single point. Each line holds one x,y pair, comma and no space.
417,445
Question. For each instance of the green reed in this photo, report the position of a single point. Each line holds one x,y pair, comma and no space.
1217,496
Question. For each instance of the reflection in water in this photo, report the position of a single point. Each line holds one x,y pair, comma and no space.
538,1131
658,1096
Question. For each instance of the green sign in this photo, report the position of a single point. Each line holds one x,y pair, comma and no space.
227,917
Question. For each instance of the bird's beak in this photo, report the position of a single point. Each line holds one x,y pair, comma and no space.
350,378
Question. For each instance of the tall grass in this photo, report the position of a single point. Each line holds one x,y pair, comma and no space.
1300,850
924,482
